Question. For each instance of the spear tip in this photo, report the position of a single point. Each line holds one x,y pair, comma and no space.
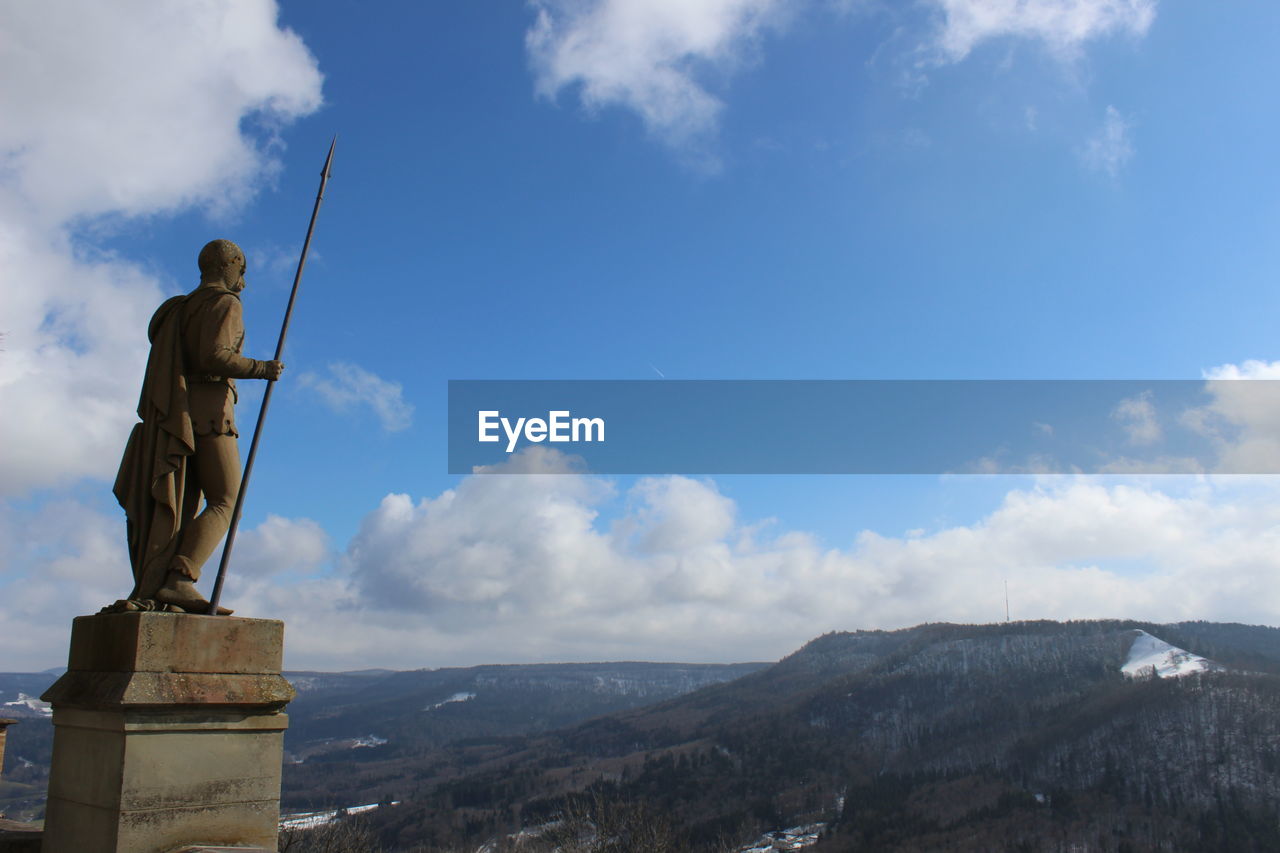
328,161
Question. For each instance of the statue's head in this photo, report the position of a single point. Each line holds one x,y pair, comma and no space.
222,261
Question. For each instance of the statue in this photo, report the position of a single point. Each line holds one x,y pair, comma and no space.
186,448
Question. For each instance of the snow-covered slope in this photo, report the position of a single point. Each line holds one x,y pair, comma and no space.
464,696
1150,654
311,820
31,702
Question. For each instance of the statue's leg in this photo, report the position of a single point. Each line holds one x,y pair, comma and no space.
190,498
217,468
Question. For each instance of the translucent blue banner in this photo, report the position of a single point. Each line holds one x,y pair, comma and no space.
871,426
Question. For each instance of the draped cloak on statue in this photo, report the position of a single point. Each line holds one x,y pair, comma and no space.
150,484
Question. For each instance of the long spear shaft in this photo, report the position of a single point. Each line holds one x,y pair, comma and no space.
266,396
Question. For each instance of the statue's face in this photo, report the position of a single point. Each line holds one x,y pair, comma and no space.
233,274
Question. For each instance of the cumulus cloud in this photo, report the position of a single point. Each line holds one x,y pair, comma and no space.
63,561
597,593
1110,147
184,117
72,323
1137,416
281,545
1236,432
68,558
649,56
1243,418
661,58
562,566
1249,369
508,568
1064,26
348,385
96,129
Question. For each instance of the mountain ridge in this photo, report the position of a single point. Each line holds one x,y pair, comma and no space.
969,736
1027,718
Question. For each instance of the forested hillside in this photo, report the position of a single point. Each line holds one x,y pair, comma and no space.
1014,736
1036,736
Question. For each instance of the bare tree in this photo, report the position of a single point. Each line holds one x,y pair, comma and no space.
596,823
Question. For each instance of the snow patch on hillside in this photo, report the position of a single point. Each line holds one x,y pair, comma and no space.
795,838
311,820
1152,656
33,703
457,697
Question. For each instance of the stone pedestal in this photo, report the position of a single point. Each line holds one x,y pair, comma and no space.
168,732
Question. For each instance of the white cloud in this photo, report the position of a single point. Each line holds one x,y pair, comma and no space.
509,568
680,576
349,385
1110,147
93,129
1137,416
71,555
1243,418
1249,369
74,326
649,56
280,545
68,558
92,126
1064,26
676,515
1241,421
661,59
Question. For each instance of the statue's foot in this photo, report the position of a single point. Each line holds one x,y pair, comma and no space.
179,591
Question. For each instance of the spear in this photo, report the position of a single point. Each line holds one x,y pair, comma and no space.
266,396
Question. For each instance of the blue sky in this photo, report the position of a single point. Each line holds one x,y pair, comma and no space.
629,189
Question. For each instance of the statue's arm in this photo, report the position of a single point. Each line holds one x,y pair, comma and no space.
224,358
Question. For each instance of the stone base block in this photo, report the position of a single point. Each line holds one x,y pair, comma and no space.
184,752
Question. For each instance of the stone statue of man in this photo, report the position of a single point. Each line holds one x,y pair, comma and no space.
185,449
